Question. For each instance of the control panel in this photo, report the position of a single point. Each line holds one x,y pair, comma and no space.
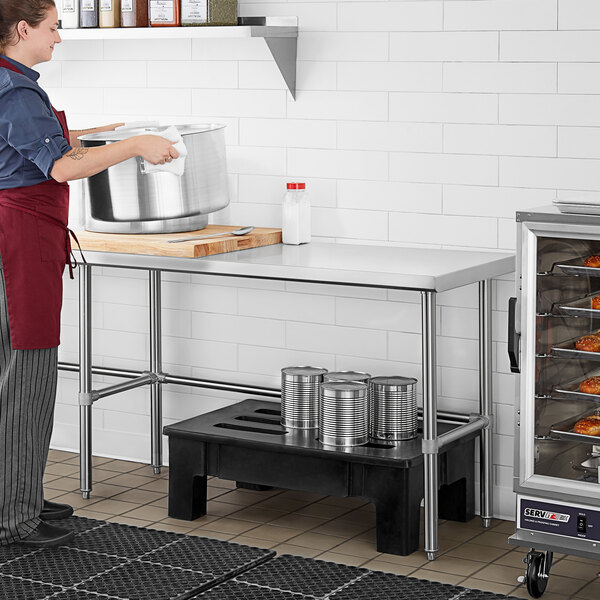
559,518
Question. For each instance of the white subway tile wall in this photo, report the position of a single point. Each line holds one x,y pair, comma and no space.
417,123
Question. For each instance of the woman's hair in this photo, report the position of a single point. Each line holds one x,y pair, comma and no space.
13,11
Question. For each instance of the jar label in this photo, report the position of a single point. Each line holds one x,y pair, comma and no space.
194,10
87,5
68,6
106,5
162,11
126,5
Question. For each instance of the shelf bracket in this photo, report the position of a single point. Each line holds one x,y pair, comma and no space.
284,50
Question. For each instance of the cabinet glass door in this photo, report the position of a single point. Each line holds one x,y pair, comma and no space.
566,443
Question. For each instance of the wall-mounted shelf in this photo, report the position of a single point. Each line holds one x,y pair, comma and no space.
279,33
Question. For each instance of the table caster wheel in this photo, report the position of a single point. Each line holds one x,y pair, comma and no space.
538,571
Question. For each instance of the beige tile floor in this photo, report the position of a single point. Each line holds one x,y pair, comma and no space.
311,525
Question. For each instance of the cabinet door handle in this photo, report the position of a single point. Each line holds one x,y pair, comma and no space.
514,338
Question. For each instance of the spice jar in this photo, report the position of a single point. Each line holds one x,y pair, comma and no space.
222,12
88,14
164,13
134,13
69,14
110,13
194,13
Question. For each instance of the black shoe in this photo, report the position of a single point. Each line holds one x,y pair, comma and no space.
47,536
52,511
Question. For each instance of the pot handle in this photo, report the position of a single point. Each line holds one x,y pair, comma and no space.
138,125
514,337
141,165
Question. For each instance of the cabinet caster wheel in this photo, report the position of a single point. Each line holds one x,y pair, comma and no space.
538,572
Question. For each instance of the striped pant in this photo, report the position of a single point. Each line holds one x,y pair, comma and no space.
27,396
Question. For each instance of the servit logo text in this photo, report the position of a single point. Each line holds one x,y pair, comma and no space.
546,515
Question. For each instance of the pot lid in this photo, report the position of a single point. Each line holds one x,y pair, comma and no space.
125,133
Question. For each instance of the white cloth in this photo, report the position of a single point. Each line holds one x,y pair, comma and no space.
177,165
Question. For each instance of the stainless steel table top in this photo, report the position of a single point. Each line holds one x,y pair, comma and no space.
418,269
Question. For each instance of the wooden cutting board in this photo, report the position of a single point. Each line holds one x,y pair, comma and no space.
158,245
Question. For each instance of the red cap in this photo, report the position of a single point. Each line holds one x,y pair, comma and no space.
301,186
292,186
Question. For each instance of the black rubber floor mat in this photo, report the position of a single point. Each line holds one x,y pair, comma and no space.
8,553
146,581
117,540
208,556
60,566
109,561
12,587
316,578
296,578
80,595
396,587
235,590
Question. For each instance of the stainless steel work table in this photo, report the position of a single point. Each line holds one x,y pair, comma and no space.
423,270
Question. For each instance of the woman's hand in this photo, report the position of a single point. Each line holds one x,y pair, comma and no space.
85,162
155,149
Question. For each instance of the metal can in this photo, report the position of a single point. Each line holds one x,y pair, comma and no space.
300,396
343,413
358,376
393,408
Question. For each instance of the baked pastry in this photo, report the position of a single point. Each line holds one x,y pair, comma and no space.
592,261
588,343
596,302
591,385
588,426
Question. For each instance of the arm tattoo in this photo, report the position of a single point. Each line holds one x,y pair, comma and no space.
77,153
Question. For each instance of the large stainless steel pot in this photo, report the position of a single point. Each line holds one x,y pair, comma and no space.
123,199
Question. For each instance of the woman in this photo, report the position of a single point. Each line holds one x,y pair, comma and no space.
38,156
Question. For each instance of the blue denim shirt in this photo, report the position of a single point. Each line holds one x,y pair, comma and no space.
31,138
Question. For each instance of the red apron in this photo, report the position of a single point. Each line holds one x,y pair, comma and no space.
34,247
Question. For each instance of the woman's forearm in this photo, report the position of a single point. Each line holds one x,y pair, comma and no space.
85,162
75,133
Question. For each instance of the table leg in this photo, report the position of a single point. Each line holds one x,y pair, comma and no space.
428,320
155,367
85,379
485,400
